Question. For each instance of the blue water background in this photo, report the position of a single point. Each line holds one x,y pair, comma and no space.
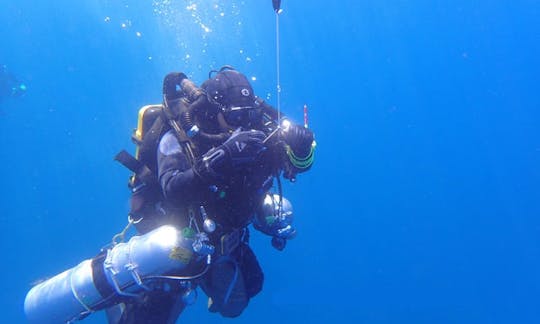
423,205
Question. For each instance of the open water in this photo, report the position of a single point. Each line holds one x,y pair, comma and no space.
423,205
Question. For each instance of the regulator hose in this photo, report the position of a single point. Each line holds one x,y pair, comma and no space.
192,129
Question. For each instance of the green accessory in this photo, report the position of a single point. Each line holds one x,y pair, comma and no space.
188,232
298,162
270,220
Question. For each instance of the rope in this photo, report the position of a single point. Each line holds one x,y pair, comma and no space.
278,84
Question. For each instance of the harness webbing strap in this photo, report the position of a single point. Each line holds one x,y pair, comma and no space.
100,279
183,139
141,170
128,161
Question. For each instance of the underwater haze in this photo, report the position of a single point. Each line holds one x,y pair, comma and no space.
423,205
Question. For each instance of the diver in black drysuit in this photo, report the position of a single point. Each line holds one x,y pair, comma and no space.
230,178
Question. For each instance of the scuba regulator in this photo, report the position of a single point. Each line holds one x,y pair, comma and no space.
292,145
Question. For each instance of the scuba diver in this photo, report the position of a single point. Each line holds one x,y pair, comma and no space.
216,162
10,86
208,163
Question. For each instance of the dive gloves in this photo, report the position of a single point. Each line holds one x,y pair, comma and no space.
244,147
299,148
241,150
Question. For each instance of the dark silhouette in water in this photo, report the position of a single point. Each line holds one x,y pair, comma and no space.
10,86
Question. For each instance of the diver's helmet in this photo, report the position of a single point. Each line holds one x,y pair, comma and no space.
232,93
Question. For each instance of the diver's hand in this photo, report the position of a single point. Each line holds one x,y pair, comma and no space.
244,147
299,149
298,138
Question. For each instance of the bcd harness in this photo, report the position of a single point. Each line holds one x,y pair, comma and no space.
179,95
153,122
182,102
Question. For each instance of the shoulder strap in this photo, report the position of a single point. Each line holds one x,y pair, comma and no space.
140,169
185,142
